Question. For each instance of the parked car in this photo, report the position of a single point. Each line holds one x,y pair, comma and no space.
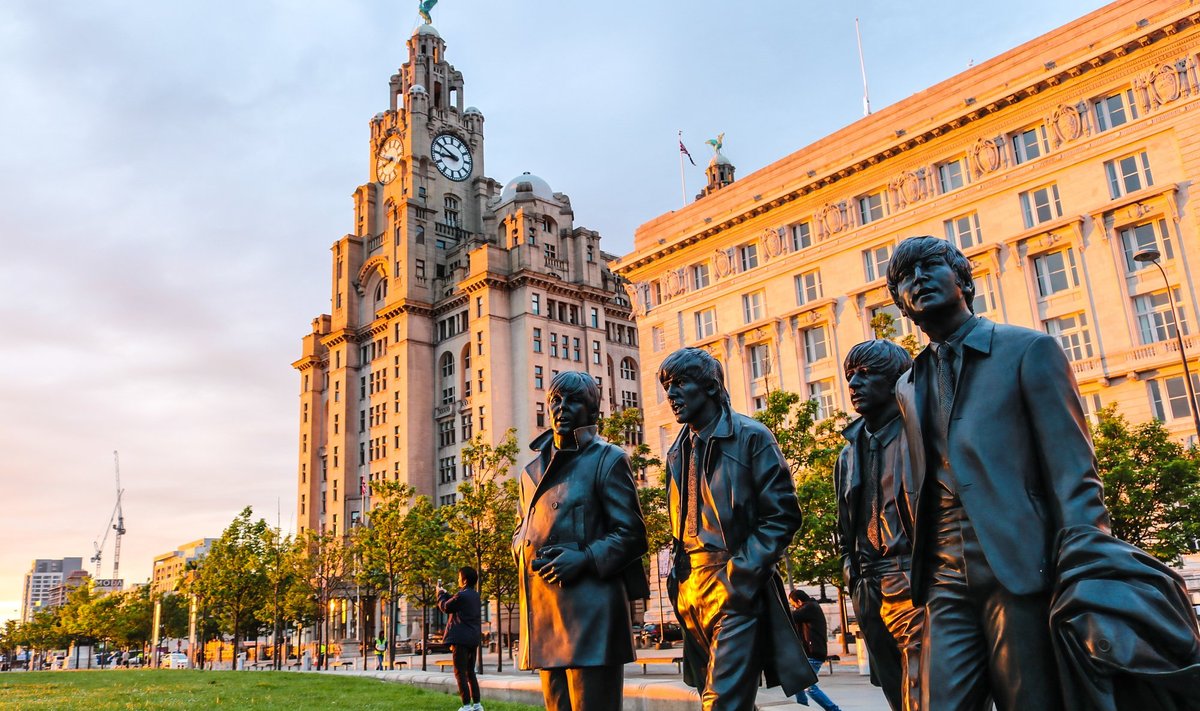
671,633
174,660
435,645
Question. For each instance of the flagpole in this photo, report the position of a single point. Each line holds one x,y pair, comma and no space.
862,65
682,177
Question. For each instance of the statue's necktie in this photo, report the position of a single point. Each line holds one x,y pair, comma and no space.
945,385
695,471
874,471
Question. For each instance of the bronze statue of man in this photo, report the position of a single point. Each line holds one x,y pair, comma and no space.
733,512
873,523
1002,461
578,552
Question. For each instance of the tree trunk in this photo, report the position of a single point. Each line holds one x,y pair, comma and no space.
498,635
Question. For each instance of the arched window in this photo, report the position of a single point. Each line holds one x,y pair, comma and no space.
447,365
547,225
380,292
628,369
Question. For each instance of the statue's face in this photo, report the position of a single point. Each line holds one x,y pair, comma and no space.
931,287
692,402
568,411
871,391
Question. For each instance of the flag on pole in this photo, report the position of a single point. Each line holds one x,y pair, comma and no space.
362,485
683,149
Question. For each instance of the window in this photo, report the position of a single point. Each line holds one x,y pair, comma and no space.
1029,144
1072,332
951,175
700,275
479,342
466,427
752,306
985,298
575,348
541,414
1128,174
808,287
1154,318
551,251
875,261
535,303
658,339
963,231
759,356
748,256
447,366
801,236
822,392
447,470
591,253
1040,205
816,345
1175,389
1114,110
706,323
553,345
629,398
628,369
1145,236
538,381
420,269
446,433
537,340
900,323
594,317
1056,272
871,207
596,352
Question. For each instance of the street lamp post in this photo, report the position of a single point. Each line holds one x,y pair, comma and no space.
1151,255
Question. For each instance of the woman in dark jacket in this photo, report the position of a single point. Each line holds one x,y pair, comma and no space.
462,634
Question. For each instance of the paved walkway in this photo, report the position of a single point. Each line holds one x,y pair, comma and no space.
660,689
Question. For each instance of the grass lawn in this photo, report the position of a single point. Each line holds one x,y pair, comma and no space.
138,690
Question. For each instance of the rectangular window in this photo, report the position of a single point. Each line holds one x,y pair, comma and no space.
706,323
1154,318
875,261
553,345
760,360
538,382
1040,205
537,340
815,344
541,414
822,392
1072,332
446,433
1056,272
871,207
596,352
808,287
748,256
658,339
1114,110
1168,397
801,236
1029,144
985,298
963,231
420,269
952,175
1148,235
535,304
1128,174
700,275
594,317
752,306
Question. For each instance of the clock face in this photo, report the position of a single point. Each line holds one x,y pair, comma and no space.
387,160
452,157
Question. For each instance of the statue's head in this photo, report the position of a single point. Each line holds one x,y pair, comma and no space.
574,401
695,385
872,368
928,276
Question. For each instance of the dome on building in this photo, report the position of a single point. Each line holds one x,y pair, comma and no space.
472,111
427,29
417,89
527,183
719,159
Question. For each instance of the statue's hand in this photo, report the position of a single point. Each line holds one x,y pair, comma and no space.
563,565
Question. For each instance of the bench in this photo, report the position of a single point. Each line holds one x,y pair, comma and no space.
830,660
443,663
646,661
344,663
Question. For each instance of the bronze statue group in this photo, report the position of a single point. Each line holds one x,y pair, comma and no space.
974,537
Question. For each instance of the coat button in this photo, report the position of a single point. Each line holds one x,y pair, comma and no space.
554,505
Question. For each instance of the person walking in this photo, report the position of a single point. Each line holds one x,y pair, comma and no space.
380,648
463,634
809,622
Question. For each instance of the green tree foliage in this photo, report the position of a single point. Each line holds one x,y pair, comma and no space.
811,448
233,577
427,550
883,325
1151,485
324,567
382,550
624,428
483,520
280,568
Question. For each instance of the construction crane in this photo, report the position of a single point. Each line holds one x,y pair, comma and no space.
116,522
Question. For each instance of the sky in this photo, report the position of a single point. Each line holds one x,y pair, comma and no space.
173,174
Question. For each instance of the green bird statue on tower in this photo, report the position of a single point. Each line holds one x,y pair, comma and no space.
424,8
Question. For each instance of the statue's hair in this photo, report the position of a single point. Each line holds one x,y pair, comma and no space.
879,355
915,249
574,382
698,365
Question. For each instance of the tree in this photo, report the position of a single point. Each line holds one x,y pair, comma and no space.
484,518
382,548
233,578
426,548
811,448
1151,485
883,325
325,566
279,570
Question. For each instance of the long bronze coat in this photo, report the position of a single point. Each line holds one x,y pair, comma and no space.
1021,452
586,500
757,512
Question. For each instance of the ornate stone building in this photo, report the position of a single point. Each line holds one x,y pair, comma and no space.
455,300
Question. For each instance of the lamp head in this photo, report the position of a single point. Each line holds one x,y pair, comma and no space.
1146,255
